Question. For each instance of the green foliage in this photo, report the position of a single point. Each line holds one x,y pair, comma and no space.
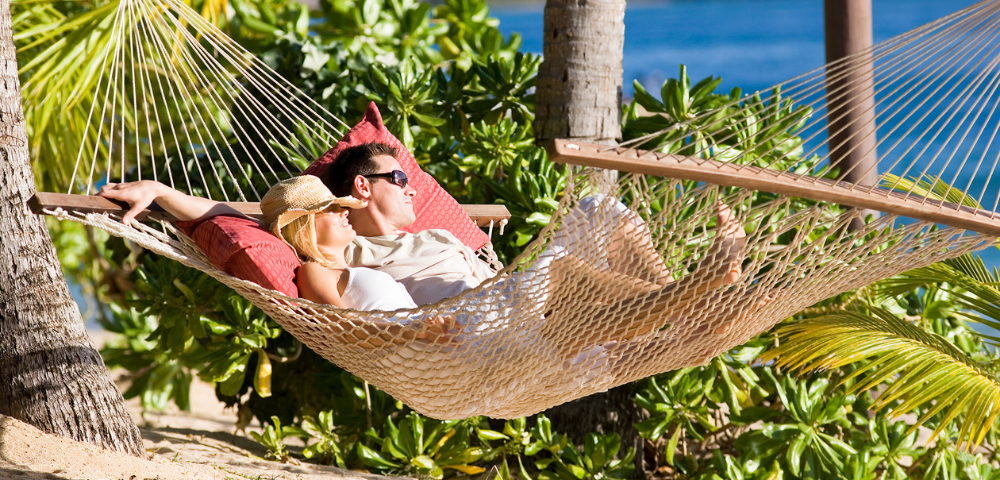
803,442
424,447
936,371
694,120
273,438
58,72
566,462
737,418
326,449
170,331
411,444
460,112
410,96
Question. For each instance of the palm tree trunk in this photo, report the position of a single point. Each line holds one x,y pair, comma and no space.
579,84
578,94
51,376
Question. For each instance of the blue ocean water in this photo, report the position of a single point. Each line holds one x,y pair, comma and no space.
751,44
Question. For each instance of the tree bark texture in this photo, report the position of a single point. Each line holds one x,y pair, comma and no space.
579,84
51,376
611,411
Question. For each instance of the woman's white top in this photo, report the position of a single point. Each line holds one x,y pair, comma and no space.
369,289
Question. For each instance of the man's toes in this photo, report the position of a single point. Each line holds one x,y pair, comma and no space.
724,328
734,274
723,213
766,299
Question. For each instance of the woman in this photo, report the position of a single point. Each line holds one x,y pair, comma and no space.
303,213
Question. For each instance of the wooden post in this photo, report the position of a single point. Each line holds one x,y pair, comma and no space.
851,92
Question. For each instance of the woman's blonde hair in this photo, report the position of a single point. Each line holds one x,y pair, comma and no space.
301,234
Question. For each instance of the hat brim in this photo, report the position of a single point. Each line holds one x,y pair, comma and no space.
290,215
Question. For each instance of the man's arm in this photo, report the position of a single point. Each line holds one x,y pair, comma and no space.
140,195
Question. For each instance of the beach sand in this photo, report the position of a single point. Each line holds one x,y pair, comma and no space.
195,445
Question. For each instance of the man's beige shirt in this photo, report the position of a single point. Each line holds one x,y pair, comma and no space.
431,264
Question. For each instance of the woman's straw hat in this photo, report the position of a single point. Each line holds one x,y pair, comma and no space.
298,196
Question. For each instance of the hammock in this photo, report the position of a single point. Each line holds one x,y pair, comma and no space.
545,332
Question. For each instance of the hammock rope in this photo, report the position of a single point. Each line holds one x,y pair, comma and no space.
605,295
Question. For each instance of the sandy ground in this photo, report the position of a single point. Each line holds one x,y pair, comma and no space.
196,445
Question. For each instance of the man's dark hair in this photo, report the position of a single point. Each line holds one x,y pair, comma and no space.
354,161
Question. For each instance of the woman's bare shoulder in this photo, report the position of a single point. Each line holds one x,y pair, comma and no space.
317,271
321,284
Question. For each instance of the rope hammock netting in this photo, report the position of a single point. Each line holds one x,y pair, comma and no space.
606,295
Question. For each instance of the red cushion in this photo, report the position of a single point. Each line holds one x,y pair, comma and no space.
241,248
433,206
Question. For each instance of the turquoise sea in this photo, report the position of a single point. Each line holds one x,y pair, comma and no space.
751,44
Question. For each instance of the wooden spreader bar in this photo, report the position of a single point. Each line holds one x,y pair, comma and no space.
766,180
481,214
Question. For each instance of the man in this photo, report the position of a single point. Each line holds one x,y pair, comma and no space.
431,264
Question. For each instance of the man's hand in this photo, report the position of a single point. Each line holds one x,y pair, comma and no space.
139,195
438,329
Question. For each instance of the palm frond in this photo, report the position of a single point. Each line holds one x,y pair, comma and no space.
66,72
917,367
973,267
973,289
60,58
931,187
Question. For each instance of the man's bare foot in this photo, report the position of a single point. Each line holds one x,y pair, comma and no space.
632,252
721,265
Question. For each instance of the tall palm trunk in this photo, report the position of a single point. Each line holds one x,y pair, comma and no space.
579,84
579,95
51,376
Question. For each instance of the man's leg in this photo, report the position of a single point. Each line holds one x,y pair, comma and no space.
632,252
691,344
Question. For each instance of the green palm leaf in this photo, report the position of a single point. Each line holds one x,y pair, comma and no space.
917,367
973,288
60,57
931,187
61,53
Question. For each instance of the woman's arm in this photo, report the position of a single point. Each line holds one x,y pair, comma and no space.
139,195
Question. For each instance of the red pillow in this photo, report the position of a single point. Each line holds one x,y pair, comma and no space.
433,206
241,248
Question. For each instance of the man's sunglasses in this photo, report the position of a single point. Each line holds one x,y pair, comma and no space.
397,177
